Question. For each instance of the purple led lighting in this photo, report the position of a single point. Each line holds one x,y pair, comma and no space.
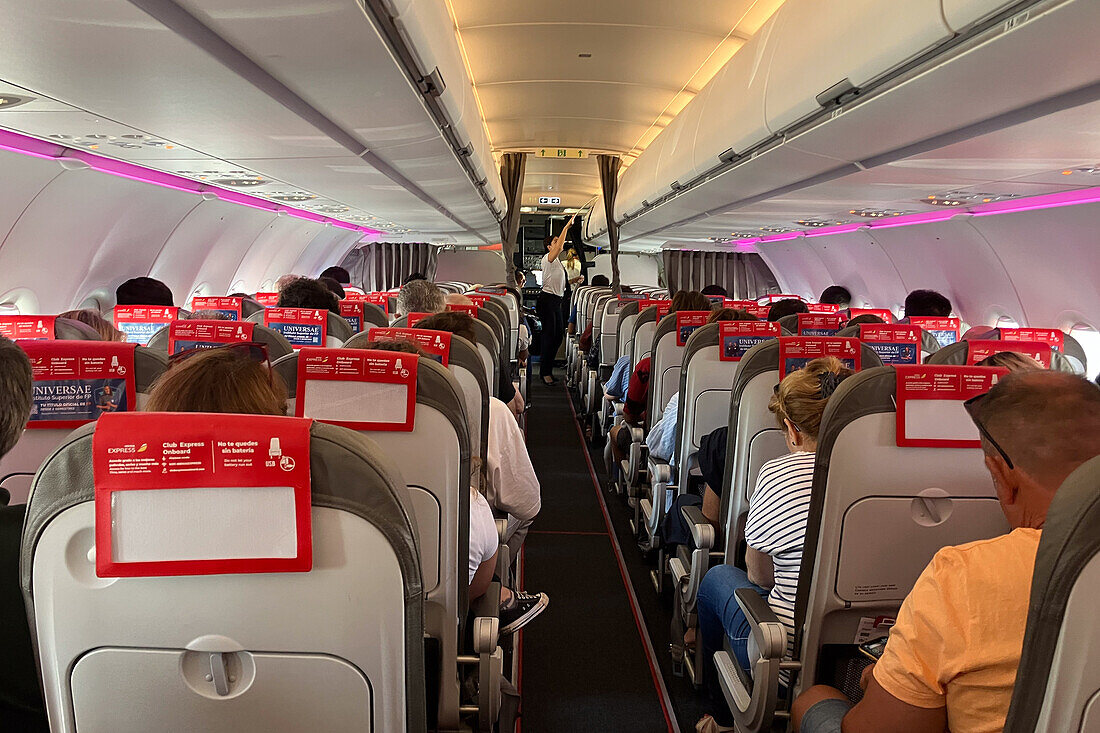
835,229
1031,203
925,217
15,142
780,237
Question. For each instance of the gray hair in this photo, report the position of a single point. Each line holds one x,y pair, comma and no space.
420,296
16,392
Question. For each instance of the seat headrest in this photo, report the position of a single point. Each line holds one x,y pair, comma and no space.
216,332
959,353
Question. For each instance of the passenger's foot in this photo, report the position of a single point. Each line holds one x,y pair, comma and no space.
708,725
516,613
550,381
689,639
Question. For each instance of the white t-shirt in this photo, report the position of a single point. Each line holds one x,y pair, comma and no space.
553,276
484,539
513,486
776,526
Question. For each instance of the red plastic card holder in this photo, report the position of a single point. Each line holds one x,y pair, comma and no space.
268,300
27,328
140,322
796,351
492,291
177,494
884,313
479,298
470,310
893,344
77,382
946,330
1053,336
352,312
978,350
818,324
826,308
364,366
922,390
229,306
184,335
737,337
687,322
435,344
772,298
300,326
415,318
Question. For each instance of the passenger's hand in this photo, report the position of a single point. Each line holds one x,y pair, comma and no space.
516,405
865,678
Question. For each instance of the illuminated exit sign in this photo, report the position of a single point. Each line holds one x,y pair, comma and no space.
571,153
549,200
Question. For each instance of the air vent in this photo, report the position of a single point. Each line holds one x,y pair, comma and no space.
247,182
876,213
8,101
291,198
1091,170
94,141
964,198
777,230
330,209
819,223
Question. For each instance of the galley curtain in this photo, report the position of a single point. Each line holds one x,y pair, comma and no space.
512,169
609,182
744,275
385,265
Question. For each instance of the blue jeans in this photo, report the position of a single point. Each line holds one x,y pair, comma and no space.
720,615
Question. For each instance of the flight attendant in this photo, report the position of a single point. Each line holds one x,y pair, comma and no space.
549,304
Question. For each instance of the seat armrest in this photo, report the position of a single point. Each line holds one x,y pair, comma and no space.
702,531
502,529
486,612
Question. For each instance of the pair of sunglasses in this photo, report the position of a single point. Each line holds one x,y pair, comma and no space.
973,409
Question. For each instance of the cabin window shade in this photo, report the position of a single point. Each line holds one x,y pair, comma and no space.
384,265
744,275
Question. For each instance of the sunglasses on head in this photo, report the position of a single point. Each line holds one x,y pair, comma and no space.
973,407
253,350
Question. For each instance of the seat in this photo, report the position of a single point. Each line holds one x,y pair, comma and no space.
248,636
495,317
119,375
498,306
250,306
34,328
928,343
361,315
140,322
415,411
590,377
878,513
959,353
1058,680
337,330
1065,343
187,333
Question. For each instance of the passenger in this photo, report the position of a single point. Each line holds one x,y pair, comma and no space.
951,658
714,290
600,281
776,525
143,291
413,277
869,318
507,391
662,436
929,303
21,704
584,343
306,292
339,274
103,327
456,299
333,286
786,307
571,324
1013,361
285,280
233,378
208,315
513,486
836,295
420,296
637,391
521,278
549,305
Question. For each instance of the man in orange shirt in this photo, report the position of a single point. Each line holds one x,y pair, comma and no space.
950,662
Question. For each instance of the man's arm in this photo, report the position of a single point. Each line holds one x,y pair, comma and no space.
878,706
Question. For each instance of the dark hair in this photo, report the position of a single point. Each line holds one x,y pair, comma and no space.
730,314
460,324
626,289
689,300
786,307
714,290
837,295
219,380
16,391
339,274
600,280
865,318
412,277
1013,361
92,318
927,303
308,293
403,346
335,287
143,291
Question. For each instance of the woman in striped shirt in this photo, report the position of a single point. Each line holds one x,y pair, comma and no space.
775,528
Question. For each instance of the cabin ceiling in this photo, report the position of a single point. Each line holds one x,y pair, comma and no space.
538,88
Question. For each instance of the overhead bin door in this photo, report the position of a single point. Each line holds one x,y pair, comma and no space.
961,13
825,43
676,161
638,182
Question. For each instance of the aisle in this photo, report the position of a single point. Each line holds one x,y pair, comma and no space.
584,663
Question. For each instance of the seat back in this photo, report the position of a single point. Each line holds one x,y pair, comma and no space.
669,339
292,324
487,347
1070,347
928,343
182,335
645,326
624,330
879,511
960,353
75,382
361,315
41,328
1058,680
754,435
140,322
597,315
511,301
494,315
422,426
609,332
191,589
464,361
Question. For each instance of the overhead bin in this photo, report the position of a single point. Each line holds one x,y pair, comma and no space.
639,180
959,14
826,48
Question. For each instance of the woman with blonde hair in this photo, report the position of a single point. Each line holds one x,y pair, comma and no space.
775,528
233,378
103,327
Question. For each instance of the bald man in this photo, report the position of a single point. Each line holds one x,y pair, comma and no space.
951,660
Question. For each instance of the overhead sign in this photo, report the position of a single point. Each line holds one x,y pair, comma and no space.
549,200
573,153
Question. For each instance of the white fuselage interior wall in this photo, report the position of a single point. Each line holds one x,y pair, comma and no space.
1037,267
67,236
470,266
633,269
